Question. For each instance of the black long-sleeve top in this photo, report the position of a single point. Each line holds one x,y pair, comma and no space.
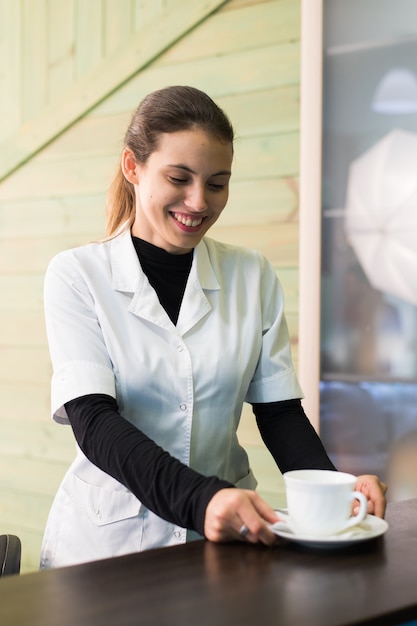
161,482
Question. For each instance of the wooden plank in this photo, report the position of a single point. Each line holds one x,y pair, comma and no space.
27,365
288,277
274,110
145,12
10,67
95,85
266,68
32,217
89,37
29,507
269,111
280,245
118,24
61,48
93,135
79,176
270,481
266,111
267,202
37,440
239,4
264,201
292,321
274,155
20,256
33,404
34,83
264,467
21,329
244,28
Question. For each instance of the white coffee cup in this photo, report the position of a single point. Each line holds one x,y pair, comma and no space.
320,502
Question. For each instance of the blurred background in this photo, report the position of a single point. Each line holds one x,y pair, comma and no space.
368,361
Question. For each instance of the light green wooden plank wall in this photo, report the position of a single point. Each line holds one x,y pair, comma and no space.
95,72
246,55
63,40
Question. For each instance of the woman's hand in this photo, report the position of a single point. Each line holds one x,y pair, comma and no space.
232,509
375,491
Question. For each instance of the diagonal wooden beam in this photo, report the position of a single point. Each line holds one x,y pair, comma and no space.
141,50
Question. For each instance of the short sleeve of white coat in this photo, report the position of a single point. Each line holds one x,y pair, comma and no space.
275,377
79,357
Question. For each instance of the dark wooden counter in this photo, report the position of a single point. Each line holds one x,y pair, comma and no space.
204,584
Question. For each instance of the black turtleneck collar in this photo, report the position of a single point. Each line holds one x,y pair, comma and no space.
166,272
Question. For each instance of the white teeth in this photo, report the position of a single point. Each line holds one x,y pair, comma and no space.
187,221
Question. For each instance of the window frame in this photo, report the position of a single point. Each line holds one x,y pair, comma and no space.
310,205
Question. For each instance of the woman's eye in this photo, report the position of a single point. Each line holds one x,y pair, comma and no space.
177,181
217,186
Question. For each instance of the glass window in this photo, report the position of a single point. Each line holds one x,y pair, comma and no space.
368,361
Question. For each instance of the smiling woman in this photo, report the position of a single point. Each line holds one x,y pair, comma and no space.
158,335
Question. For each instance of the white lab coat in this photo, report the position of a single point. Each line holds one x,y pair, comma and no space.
182,385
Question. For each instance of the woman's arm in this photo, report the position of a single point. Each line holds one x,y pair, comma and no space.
294,444
161,482
290,437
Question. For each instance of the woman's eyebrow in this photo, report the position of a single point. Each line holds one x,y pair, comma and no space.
188,169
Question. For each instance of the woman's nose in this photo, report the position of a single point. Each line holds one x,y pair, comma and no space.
196,198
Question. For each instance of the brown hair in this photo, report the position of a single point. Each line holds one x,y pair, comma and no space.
167,110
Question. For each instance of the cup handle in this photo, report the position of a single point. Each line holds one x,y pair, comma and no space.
363,509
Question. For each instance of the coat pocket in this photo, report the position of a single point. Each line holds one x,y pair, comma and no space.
102,506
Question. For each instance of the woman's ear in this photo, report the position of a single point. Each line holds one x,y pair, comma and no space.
129,166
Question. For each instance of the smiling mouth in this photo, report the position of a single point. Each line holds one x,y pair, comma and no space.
186,220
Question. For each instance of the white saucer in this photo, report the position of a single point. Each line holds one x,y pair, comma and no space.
370,528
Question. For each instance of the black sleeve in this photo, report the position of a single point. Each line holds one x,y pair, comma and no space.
290,437
161,482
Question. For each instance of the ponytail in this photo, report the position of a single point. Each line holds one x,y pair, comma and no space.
120,204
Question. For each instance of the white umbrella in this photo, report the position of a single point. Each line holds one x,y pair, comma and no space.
381,213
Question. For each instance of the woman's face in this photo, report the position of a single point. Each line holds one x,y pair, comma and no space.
181,190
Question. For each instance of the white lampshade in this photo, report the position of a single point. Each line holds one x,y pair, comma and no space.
396,93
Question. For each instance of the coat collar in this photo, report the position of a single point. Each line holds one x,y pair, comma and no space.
128,277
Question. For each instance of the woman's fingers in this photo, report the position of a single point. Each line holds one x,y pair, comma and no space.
375,491
239,514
